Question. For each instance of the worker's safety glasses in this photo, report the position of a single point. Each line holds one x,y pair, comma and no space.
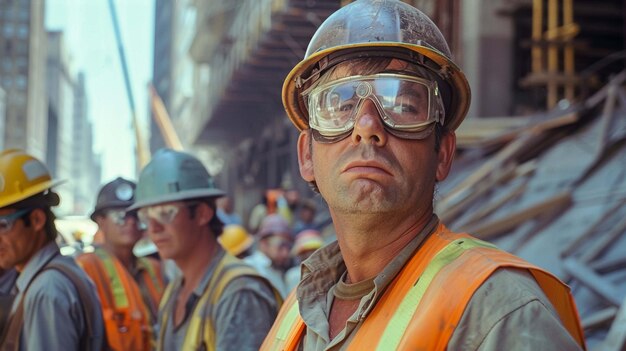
120,216
6,222
408,105
163,214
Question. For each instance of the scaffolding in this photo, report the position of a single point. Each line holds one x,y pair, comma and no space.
552,50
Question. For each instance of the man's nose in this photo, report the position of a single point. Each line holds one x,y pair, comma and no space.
368,125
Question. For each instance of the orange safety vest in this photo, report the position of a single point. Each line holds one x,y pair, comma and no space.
422,306
125,313
154,286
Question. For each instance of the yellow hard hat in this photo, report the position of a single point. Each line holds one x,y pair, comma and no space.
378,28
22,176
235,239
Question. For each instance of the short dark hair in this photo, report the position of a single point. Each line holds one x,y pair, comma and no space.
215,224
50,228
43,201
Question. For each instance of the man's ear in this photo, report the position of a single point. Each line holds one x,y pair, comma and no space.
38,219
305,155
446,154
203,213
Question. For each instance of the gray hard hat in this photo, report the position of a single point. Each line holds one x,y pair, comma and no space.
173,176
119,193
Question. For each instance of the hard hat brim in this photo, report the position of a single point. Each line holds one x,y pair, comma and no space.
31,191
462,93
178,196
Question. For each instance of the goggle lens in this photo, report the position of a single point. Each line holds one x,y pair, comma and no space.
163,214
119,217
6,222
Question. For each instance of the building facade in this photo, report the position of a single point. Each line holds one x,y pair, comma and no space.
23,74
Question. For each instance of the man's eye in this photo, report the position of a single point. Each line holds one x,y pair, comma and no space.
346,107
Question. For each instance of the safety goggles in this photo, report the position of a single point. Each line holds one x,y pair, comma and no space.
163,214
408,105
6,222
120,216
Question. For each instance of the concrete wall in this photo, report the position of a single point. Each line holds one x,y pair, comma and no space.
487,46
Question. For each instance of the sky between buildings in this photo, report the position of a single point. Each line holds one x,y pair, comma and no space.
91,47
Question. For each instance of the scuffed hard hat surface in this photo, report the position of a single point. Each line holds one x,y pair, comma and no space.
366,21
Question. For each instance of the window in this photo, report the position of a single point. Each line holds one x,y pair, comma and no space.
8,30
20,82
22,31
7,64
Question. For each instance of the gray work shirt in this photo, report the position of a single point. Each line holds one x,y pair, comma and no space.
508,312
7,281
244,314
53,312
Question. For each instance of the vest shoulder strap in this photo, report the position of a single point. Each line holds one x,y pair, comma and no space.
93,266
201,332
154,272
12,337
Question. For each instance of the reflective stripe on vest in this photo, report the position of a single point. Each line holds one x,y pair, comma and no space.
201,332
425,303
404,313
126,317
153,286
116,286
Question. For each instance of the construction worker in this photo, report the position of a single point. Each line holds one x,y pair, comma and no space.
129,287
305,244
397,278
273,255
56,307
219,303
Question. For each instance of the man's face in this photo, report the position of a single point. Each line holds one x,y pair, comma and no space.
373,171
173,228
278,248
18,242
120,229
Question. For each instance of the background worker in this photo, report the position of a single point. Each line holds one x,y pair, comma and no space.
56,307
219,303
397,278
305,244
273,255
129,287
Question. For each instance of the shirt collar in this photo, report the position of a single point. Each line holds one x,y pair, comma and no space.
322,270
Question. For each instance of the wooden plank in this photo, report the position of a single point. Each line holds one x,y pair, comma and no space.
448,214
535,127
609,265
607,117
498,226
600,245
487,210
462,190
572,246
599,318
601,94
520,172
616,338
592,281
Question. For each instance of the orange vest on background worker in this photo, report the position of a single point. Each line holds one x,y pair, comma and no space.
416,312
126,314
